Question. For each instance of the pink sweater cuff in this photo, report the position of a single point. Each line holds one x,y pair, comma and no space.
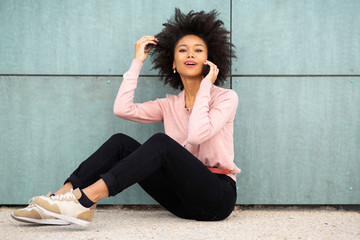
135,67
206,83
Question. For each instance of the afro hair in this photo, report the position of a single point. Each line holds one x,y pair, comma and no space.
204,25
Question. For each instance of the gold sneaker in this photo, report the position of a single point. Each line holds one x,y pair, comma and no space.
66,207
32,214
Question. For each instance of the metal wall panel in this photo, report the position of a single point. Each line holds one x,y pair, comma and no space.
53,123
296,37
83,37
49,126
297,140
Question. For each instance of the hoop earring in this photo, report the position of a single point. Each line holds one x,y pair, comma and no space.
174,70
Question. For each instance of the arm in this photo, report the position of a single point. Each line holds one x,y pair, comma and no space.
124,106
205,120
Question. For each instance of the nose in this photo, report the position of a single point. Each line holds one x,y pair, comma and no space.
190,54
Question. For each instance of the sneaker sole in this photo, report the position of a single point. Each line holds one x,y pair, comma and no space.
40,221
65,217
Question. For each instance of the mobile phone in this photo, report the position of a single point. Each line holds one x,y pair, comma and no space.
206,70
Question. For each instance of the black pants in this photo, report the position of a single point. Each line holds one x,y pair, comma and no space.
165,170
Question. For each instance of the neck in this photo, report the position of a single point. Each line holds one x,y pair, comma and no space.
191,87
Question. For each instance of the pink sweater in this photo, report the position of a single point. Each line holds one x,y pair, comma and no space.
206,130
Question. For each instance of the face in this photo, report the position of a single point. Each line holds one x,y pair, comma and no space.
190,53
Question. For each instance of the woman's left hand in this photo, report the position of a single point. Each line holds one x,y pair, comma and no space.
214,71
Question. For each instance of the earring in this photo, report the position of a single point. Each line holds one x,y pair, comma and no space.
174,70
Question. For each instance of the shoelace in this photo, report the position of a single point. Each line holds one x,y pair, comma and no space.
68,195
31,203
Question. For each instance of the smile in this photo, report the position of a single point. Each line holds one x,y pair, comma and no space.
190,63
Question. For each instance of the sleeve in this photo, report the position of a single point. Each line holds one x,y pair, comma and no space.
206,121
140,112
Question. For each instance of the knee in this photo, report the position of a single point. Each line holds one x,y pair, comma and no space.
117,137
120,139
159,136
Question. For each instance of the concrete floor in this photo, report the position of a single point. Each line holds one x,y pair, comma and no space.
119,222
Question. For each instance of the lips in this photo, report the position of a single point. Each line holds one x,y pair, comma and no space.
190,63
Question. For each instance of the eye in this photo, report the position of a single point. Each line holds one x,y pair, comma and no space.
198,50
182,50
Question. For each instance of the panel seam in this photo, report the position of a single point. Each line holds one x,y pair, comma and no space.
231,76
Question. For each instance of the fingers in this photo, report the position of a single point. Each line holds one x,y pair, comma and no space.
214,71
212,66
145,40
143,46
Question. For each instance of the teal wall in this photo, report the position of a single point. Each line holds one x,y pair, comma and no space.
297,130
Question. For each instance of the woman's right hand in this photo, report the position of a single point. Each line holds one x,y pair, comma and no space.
140,52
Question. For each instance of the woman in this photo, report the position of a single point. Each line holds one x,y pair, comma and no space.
190,169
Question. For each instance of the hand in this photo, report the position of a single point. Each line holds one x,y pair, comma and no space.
140,52
214,71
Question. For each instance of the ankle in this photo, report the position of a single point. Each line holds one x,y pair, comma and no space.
85,201
64,189
91,195
97,191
